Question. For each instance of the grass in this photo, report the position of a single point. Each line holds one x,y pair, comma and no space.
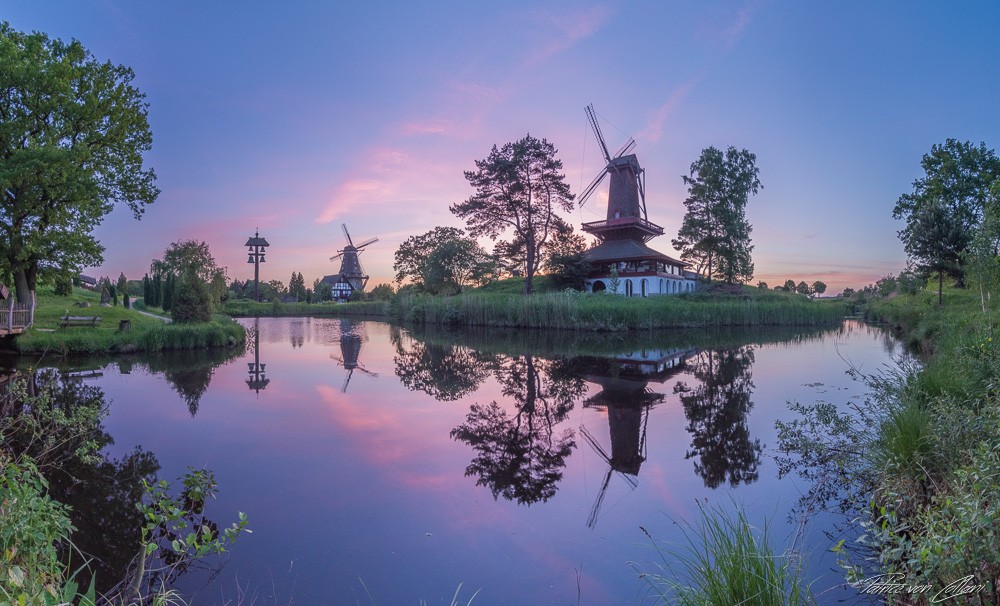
727,562
245,308
146,334
603,312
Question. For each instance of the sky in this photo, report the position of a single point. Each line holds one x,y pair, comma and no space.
297,117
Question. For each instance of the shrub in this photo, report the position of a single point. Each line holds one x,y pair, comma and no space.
192,301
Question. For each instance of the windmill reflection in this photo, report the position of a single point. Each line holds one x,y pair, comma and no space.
257,381
351,337
625,395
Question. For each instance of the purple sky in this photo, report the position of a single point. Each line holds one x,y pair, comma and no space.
297,117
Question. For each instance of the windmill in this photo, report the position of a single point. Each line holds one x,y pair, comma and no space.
350,350
351,277
626,191
622,262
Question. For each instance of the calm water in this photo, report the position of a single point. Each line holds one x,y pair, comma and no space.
373,460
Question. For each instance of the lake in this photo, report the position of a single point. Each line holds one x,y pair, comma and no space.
385,465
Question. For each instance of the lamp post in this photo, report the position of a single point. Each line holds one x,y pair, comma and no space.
256,246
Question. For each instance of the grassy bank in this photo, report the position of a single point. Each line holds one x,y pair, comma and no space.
577,311
245,308
146,333
924,450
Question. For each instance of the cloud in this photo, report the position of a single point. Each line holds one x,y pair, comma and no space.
565,29
654,128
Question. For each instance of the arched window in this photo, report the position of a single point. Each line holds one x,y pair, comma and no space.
598,286
661,286
628,288
643,284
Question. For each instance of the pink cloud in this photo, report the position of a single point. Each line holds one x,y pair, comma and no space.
654,128
570,27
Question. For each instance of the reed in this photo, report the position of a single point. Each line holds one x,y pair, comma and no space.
726,563
576,311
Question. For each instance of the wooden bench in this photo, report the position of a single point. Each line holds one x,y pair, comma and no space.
79,321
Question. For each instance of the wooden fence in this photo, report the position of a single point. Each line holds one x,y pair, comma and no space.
15,317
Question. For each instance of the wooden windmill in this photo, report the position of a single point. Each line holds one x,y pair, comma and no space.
622,261
351,277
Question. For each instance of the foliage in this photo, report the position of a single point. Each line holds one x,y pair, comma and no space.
946,206
192,257
73,134
818,287
727,561
409,257
715,234
193,302
519,188
381,292
63,285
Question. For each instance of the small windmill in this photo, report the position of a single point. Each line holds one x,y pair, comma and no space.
351,277
350,350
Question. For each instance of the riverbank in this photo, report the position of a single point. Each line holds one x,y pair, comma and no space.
925,454
142,332
571,310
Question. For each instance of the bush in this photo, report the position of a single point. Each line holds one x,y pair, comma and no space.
192,301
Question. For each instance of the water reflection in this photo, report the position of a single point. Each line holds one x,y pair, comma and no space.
627,399
445,371
716,409
351,337
520,455
258,380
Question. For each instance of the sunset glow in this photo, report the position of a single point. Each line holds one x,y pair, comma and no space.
294,119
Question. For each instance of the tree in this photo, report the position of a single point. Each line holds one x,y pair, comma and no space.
322,291
409,257
519,188
297,287
381,292
946,207
191,256
192,301
802,288
73,135
789,285
818,287
715,234
762,285
443,260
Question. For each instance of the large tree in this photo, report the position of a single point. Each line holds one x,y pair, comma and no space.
73,132
946,206
519,188
715,234
195,258
443,260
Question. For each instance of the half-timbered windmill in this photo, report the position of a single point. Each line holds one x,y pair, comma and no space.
350,351
623,262
351,277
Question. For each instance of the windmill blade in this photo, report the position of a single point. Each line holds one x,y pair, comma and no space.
596,509
593,186
597,131
346,381
337,256
641,179
628,147
372,241
366,371
346,233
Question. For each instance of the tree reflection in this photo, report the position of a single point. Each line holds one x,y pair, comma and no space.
102,492
444,372
716,410
520,456
190,373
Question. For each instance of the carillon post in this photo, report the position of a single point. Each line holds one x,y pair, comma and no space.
256,246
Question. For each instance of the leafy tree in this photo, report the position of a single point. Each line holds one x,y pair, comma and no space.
147,290
191,256
946,206
322,291
122,283
519,188
847,293
455,265
409,257
715,234
564,258
381,292
125,301
72,137
762,285
167,294
63,285
789,286
113,293
818,287
191,302
802,288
